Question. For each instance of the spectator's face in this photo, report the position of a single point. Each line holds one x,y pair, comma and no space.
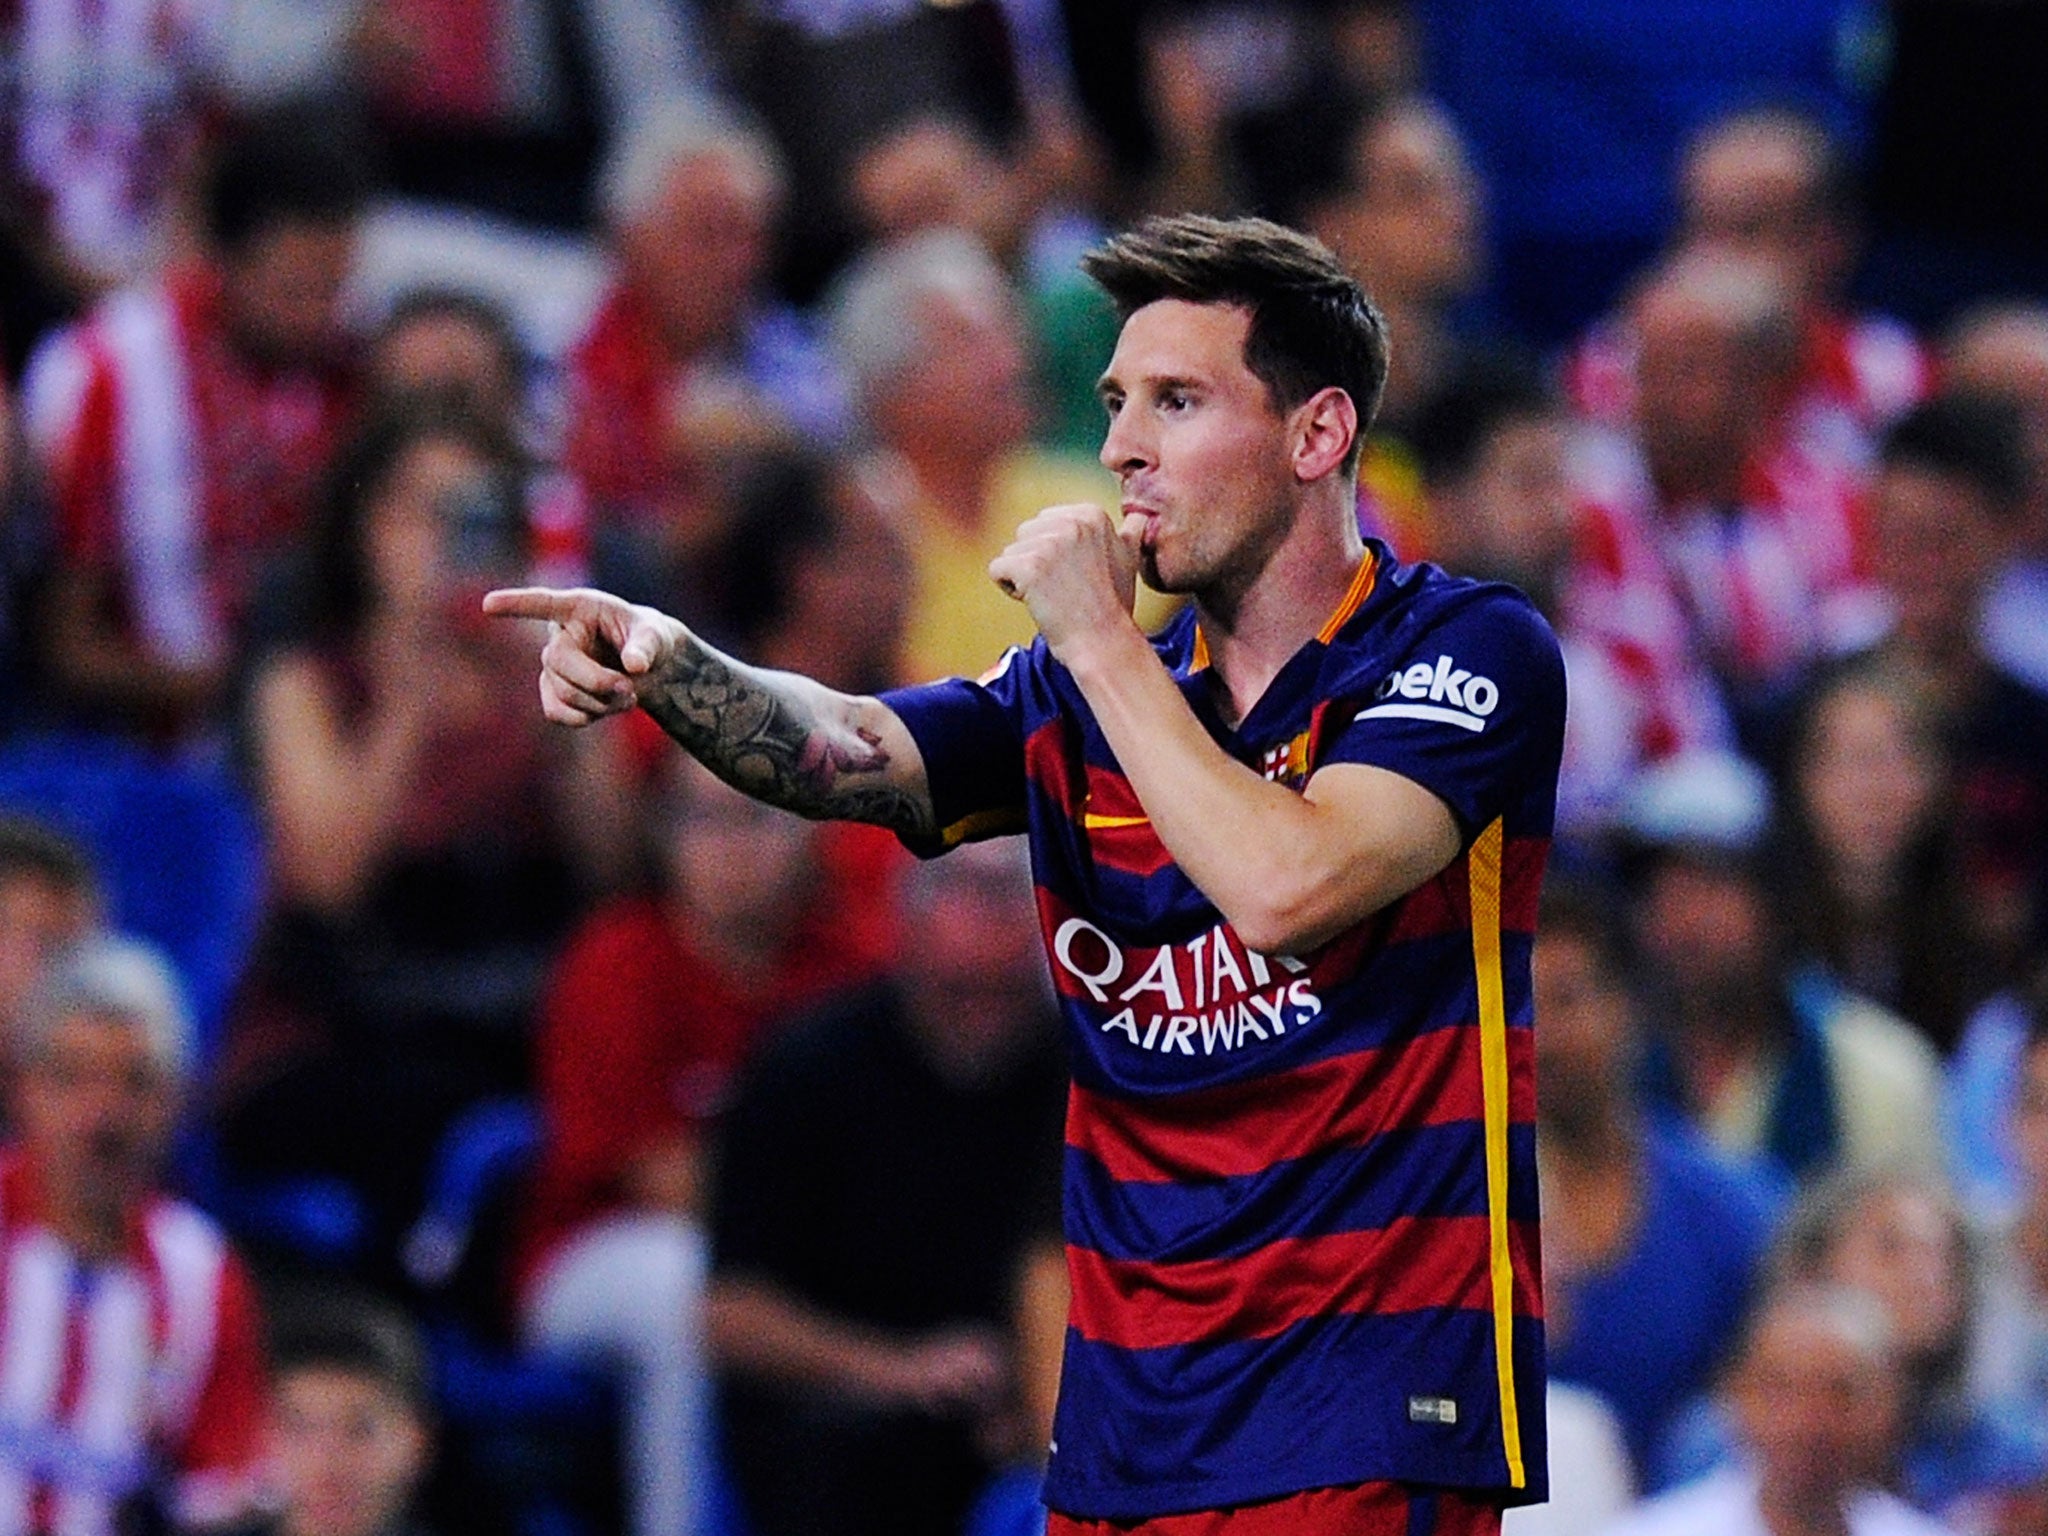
1698,384
419,560
699,252
967,393
1819,1411
284,290
2030,1121
449,356
346,1451
744,870
1868,778
38,918
95,1110
1510,516
1413,230
1707,928
1198,444
934,175
1582,1041
1936,539
1755,192
852,595
1902,1249
973,958
2008,359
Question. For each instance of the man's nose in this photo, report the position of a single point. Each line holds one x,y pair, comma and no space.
1124,448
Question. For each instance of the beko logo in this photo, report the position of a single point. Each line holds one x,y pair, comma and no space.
1444,693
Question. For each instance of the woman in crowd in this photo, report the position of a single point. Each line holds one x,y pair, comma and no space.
429,847
1872,883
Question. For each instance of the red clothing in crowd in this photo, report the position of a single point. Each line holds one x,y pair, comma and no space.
1764,586
640,1034
179,467
1856,372
619,383
114,1372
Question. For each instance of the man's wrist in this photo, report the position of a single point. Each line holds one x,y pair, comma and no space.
1103,653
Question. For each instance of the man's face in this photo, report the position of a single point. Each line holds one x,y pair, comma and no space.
1707,927
284,290
1819,1411
1755,192
1198,445
1584,1033
38,917
95,1109
974,960
699,251
1510,515
1935,541
1697,387
1417,230
346,1451
968,389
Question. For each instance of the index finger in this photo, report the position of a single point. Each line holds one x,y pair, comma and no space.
528,603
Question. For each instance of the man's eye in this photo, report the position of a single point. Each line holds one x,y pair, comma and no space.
1175,401
1112,403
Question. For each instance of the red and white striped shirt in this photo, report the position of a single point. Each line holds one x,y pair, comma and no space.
176,464
99,101
1763,587
1857,374
123,1374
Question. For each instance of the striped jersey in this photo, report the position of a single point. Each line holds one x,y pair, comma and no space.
1300,1191
138,1376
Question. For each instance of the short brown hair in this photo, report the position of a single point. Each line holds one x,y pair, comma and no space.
1312,326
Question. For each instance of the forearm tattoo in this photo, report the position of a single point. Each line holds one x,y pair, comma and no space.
782,739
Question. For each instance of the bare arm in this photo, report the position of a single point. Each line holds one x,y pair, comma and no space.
781,738
759,1329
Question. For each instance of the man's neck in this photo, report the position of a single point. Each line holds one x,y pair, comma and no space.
1254,627
93,1226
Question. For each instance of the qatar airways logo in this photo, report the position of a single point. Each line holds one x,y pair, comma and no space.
1210,994
1444,693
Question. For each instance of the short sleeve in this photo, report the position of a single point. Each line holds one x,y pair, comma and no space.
1472,709
971,736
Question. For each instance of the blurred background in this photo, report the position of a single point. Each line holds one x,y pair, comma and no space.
583,1150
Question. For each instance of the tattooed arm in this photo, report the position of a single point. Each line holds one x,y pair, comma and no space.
781,738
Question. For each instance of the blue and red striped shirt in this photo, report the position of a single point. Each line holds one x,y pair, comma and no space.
1301,1211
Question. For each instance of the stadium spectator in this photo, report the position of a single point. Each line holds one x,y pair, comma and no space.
1901,1240
1943,517
931,339
101,120
1493,448
1409,228
183,426
350,1425
881,1173
1755,532
453,345
49,901
652,1010
685,370
2001,350
163,1408
1772,185
815,576
427,853
1652,1242
1870,870
2009,1364
1773,1065
1816,1400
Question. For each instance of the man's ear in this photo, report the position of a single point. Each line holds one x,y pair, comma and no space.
1326,425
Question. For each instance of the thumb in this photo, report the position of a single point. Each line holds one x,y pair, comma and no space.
1132,531
637,655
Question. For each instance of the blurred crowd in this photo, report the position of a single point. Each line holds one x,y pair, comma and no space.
423,1119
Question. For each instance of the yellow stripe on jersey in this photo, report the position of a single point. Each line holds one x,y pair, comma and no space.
983,824
1484,867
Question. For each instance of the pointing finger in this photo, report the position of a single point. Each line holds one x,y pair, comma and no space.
528,603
